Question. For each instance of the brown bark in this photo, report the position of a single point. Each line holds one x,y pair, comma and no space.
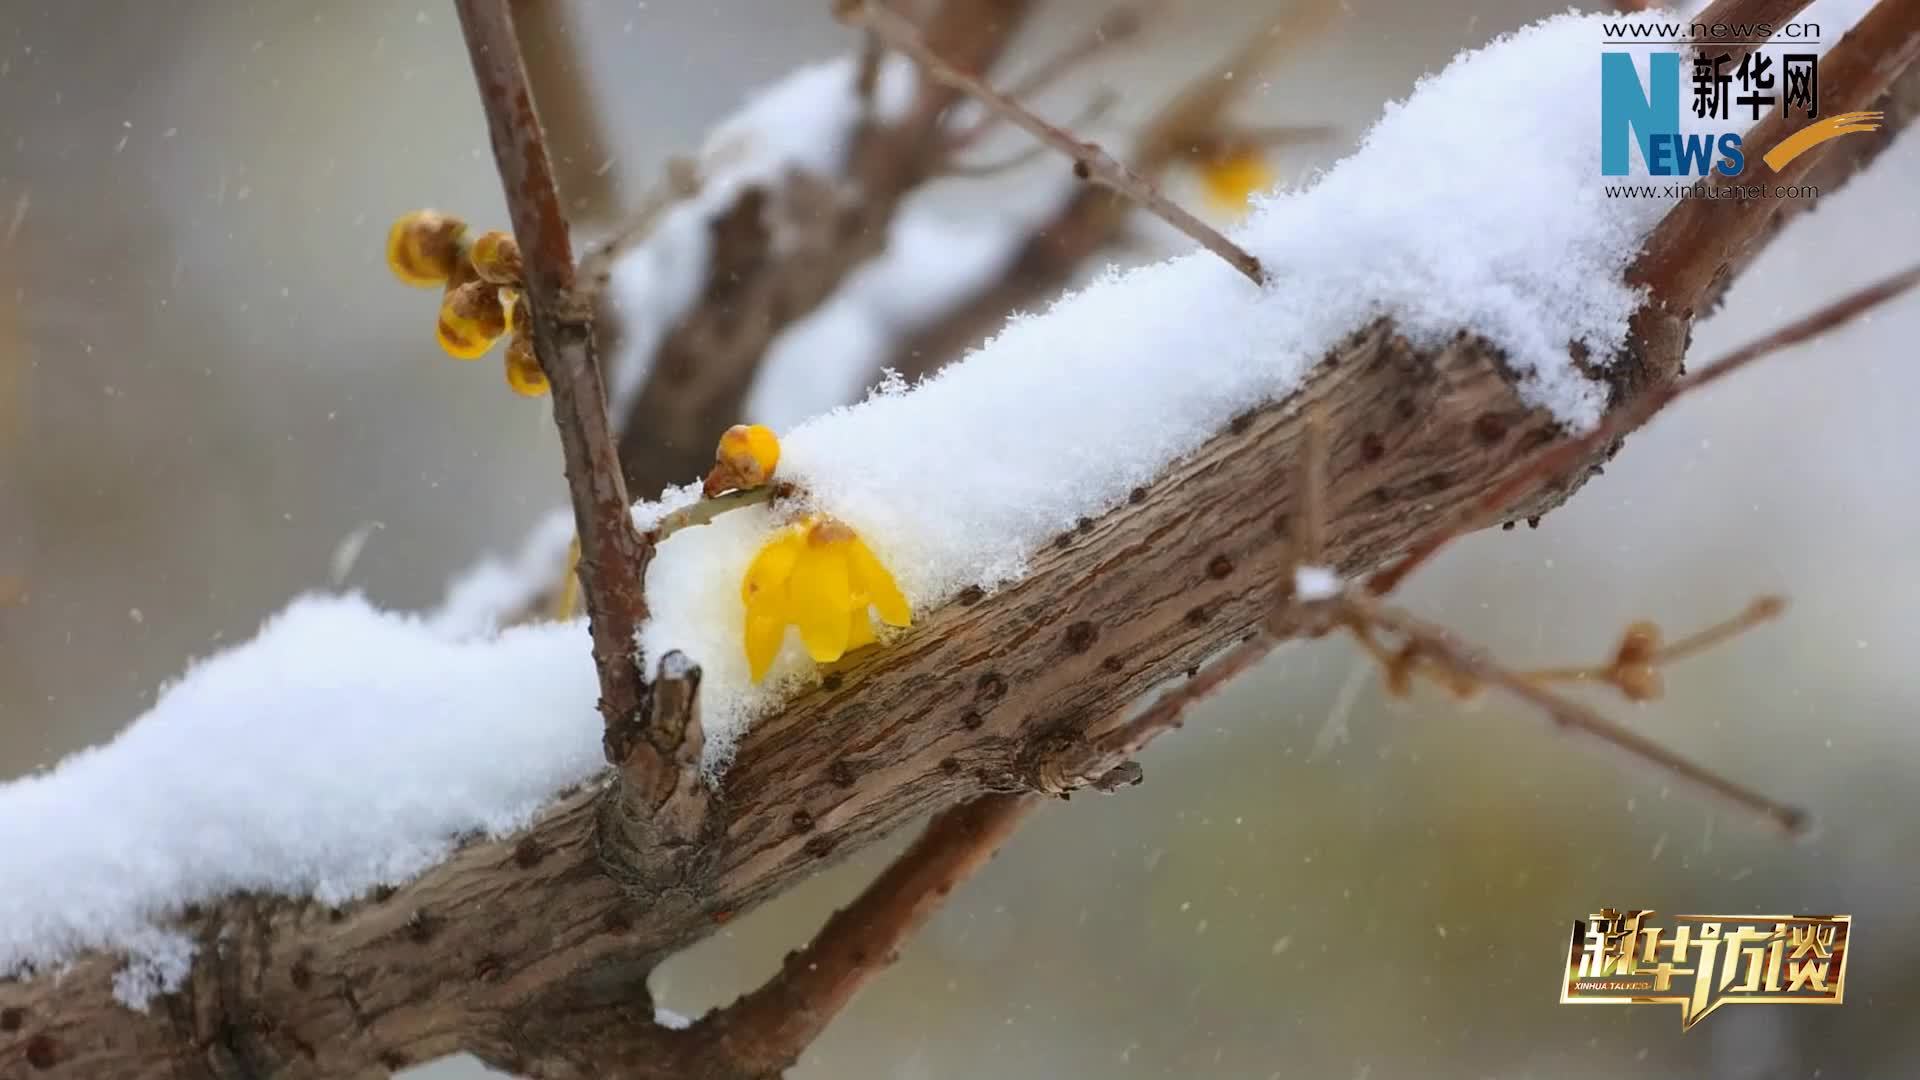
613,556
526,953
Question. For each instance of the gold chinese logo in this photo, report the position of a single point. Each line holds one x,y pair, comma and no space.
1702,962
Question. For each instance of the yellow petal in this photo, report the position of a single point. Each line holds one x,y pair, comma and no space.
424,247
764,447
472,318
768,573
1234,178
745,459
764,634
822,600
496,257
524,373
460,341
860,629
872,579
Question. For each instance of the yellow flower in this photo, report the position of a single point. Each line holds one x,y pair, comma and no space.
496,258
473,315
1233,177
745,459
819,576
524,373
425,247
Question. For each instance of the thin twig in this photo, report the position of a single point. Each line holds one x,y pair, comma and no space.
765,1031
1090,162
1552,463
682,181
866,77
1090,113
1095,217
1117,26
1439,644
614,557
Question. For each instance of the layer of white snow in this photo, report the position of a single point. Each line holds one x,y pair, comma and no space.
931,263
1434,222
343,747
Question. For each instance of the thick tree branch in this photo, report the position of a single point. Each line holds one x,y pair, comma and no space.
1703,239
765,1031
523,951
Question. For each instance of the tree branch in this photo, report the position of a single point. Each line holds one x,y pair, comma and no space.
764,1032
1090,162
523,951
613,556
1703,238
1095,217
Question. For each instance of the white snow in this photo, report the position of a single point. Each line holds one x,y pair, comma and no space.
1475,206
341,749
1312,583
932,262
803,123
344,747
490,594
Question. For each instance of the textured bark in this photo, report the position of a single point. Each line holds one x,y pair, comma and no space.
525,952
490,950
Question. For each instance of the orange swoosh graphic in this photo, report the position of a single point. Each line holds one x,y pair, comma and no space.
1816,133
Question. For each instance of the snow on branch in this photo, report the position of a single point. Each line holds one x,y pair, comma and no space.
345,748
341,749
958,482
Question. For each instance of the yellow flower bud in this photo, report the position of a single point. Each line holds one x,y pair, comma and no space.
496,257
1234,176
524,373
473,316
745,459
426,247
820,577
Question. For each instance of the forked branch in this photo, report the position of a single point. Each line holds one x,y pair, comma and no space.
613,555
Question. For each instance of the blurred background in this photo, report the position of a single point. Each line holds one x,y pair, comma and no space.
208,380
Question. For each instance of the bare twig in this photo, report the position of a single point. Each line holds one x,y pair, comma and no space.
1117,26
613,557
765,1031
1186,128
681,181
1090,162
1553,463
1091,112
1439,644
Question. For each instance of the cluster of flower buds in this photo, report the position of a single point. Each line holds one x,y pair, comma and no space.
481,286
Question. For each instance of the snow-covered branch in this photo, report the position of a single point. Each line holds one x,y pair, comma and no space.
1095,502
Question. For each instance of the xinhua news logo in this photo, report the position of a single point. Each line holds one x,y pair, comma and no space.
1702,962
1732,79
